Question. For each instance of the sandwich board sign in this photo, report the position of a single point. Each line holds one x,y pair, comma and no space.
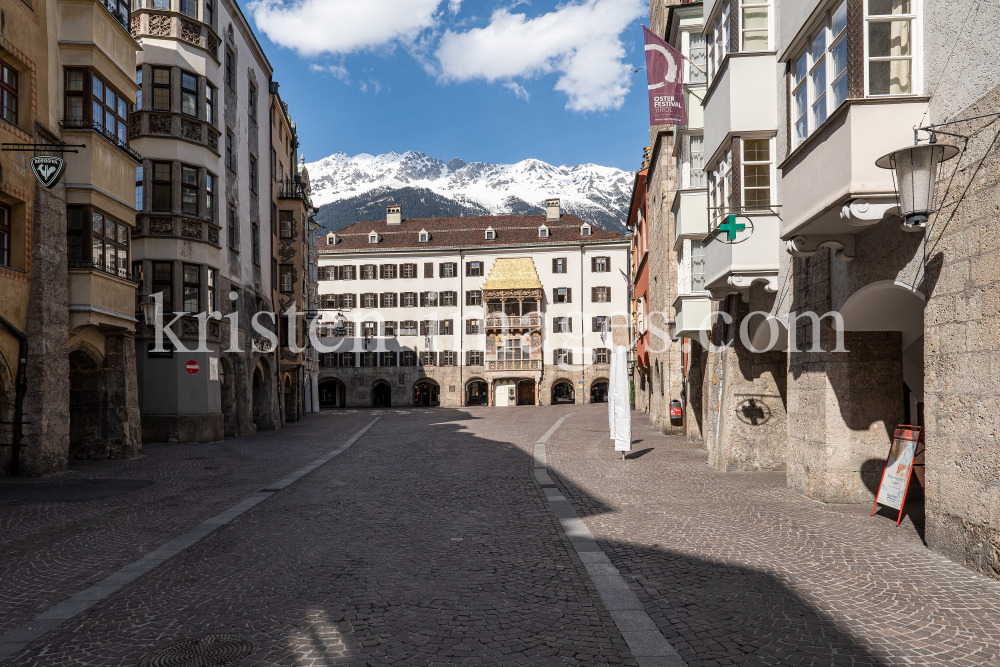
906,454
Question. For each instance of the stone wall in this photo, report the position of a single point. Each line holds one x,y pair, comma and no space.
104,411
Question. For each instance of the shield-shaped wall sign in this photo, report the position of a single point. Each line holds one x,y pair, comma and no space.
48,169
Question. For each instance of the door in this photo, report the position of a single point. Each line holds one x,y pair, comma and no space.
381,395
526,393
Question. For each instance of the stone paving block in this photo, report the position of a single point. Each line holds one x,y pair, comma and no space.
630,620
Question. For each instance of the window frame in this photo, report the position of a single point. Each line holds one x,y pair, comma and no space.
286,231
156,86
187,284
157,284
159,186
189,94
189,191
769,163
752,5
286,281
914,19
474,297
9,91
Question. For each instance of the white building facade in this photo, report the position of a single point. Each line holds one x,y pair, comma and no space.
506,310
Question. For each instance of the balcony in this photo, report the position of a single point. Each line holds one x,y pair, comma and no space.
101,297
690,215
289,189
692,315
89,125
731,267
514,365
514,322
742,98
830,184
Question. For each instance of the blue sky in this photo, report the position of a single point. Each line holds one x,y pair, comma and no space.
482,80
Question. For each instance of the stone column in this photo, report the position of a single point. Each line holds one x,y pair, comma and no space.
121,424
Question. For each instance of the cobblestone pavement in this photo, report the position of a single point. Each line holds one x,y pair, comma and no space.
736,569
429,542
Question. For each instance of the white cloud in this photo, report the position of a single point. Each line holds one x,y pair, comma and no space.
518,90
338,71
312,27
454,6
580,40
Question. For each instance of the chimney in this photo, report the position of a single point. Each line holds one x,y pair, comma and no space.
552,211
393,214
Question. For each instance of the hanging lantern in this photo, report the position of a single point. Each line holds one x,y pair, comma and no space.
339,324
915,171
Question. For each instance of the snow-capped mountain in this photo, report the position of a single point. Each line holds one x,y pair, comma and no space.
350,189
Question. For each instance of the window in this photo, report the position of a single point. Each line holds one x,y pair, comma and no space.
5,220
161,186
428,327
255,241
449,298
347,358
474,297
230,70
889,28
369,329
490,234
562,356
693,164
719,189
209,17
408,271
602,355
600,264
428,359
407,358
8,91
163,281
387,271
428,299
369,300
756,174
189,190
213,297
211,101
600,295
448,270
286,223
210,197
697,266
562,295
753,24
190,8
233,229
389,328
448,358
253,174
161,89
252,101
446,328
558,265
138,93
543,232
408,328
697,55
192,288
138,188
285,274
387,358
819,77
74,94
473,268
387,300
472,327
718,42
474,358
585,230
409,299
423,237
189,91
369,272
428,269
373,238
562,325
601,323
230,151
109,111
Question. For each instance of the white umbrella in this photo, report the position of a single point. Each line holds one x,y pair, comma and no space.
622,407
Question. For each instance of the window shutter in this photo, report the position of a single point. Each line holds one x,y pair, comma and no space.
467,358
441,269
555,294
593,294
381,271
607,263
468,268
593,264
569,324
555,265
428,269
569,354
381,301
569,295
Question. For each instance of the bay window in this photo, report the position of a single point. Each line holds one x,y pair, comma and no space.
189,190
754,25
694,47
103,243
697,266
756,174
189,94
161,89
890,46
108,109
718,42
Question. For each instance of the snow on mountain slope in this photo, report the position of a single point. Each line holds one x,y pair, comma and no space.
598,194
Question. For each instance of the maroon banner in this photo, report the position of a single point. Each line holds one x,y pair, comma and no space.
665,77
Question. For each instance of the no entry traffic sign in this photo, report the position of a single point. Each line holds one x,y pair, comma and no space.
192,367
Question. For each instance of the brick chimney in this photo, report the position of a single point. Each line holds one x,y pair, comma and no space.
552,210
393,214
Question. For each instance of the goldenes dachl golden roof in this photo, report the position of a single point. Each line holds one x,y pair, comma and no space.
513,273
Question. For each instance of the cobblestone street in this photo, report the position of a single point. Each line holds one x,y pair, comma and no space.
430,541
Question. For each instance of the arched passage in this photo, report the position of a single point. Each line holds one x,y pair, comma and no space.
86,403
226,383
259,397
291,405
562,392
477,392
599,391
426,393
381,395
332,393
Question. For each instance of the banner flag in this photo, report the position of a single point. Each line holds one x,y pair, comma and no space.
665,78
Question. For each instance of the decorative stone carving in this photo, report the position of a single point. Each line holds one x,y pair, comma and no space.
862,212
189,328
191,229
191,32
807,246
134,126
213,235
161,226
214,330
213,45
213,140
159,124
136,25
191,130
159,26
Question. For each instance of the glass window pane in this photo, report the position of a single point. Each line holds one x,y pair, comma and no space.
801,67
122,108
190,273
97,223
838,57
818,46
885,7
109,228
122,234
161,271
98,88
109,98
755,28
189,82
98,116
189,175
161,171
756,150
189,104
756,176
889,77
889,38
838,20
161,76
161,99
122,259
122,132
819,111
74,79
74,107
839,90
190,299
112,257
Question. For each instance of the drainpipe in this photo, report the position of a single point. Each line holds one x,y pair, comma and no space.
20,387
583,329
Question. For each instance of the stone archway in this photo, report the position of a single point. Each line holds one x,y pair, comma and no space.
332,393
563,392
599,390
291,405
426,393
86,398
260,395
477,392
381,395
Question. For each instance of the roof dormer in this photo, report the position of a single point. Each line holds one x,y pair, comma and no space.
491,235
373,237
331,239
543,232
423,236
585,229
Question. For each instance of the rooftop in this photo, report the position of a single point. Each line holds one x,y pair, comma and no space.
513,273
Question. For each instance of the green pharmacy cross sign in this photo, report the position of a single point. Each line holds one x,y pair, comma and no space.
730,226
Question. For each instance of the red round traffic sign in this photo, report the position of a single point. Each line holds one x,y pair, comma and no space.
192,366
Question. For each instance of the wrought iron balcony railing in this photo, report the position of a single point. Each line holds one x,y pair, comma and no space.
289,189
514,365
87,124
513,321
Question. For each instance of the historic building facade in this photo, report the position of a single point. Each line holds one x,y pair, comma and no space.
65,274
504,310
202,126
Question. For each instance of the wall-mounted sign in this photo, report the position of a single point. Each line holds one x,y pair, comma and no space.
735,229
213,369
905,453
192,367
48,169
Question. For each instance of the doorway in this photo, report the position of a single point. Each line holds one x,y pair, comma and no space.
477,393
526,392
562,392
332,393
599,392
425,394
381,395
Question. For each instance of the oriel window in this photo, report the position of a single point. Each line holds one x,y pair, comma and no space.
163,281
286,278
189,92
189,190
756,174
161,186
287,221
192,288
161,89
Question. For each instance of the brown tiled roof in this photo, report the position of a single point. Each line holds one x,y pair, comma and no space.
464,232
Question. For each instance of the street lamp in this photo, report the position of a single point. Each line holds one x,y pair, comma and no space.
150,310
340,324
915,172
